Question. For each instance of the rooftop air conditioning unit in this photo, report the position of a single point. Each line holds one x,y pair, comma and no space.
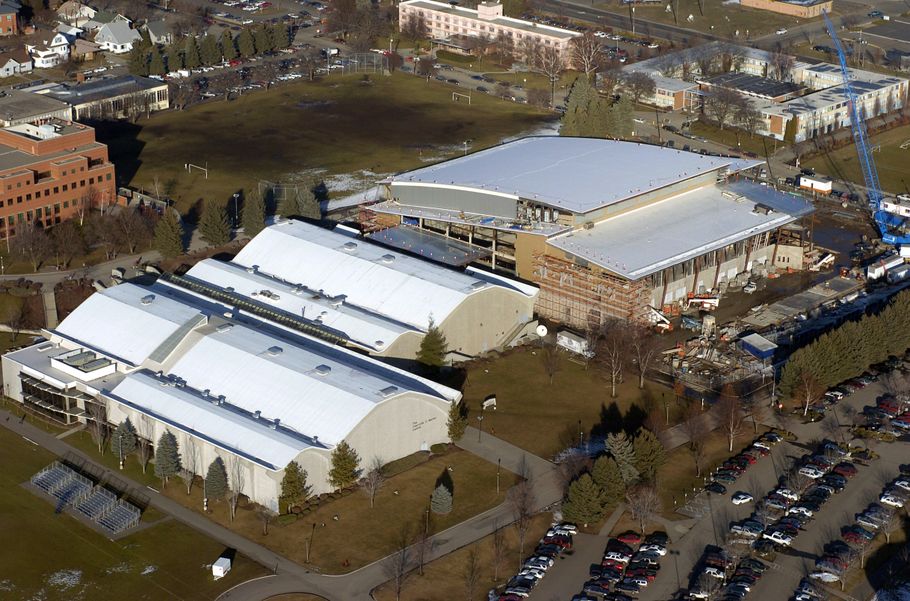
147,299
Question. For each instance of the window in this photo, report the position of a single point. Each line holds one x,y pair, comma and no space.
28,196
56,189
18,199
38,212
108,177
66,204
91,181
65,187
57,208
82,184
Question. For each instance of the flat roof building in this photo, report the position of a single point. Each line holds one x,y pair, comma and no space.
602,236
48,171
17,107
486,22
111,97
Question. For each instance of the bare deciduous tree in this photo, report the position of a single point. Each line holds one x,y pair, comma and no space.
373,480
191,461
471,573
85,202
552,362
499,551
693,425
808,391
521,501
144,434
236,469
97,423
731,414
397,564
643,502
644,344
586,54
550,64
31,243
721,104
133,229
265,516
613,352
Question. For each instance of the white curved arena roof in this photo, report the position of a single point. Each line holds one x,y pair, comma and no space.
576,174
401,288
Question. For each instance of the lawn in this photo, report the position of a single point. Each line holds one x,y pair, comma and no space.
729,138
891,161
541,417
341,126
720,18
57,558
444,578
361,534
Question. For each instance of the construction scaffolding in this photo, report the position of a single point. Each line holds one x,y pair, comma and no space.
579,297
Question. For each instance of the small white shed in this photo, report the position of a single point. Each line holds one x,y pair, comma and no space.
573,343
221,567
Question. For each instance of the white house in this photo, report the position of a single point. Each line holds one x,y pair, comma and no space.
48,48
116,37
15,62
159,33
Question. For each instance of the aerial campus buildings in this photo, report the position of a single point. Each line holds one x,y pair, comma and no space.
267,358
604,228
805,99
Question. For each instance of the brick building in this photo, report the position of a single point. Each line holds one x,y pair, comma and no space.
50,171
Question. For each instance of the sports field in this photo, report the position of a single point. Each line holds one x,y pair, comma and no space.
344,126
891,160
51,556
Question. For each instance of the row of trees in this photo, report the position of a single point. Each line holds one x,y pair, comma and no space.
192,52
628,471
591,115
724,106
846,351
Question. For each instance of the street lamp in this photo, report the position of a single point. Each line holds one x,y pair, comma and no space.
236,196
480,423
581,436
426,531
309,543
498,467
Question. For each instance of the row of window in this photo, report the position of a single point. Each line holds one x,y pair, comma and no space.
56,190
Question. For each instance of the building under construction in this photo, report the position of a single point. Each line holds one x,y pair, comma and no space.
605,228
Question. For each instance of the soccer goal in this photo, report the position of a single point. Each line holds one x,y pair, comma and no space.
458,97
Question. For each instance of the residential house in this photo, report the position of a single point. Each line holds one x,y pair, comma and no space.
47,48
75,13
103,18
159,33
9,19
71,32
84,50
15,62
116,37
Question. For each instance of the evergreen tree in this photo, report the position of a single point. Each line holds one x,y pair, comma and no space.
262,37
281,36
308,202
139,61
175,56
294,489
441,500
458,420
790,130
581,110
169,235
228,47
167,457
216,480
345,466
253,215
288,205
585,502
156,64
123,439
246,45
649,454
433,347
608,478
191,58
209,52
214,226
621,449
619,118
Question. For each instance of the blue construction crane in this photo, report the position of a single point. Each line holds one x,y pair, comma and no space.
886,222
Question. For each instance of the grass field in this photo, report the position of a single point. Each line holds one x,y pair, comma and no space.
542,417
729,138
719,18
57,558
362,534
891,161
444,578
341,126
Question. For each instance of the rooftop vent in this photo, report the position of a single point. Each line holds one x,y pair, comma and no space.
45,347
388,391
350,246
274,425
206,393
322,370
257,414
387,258
147,299
379,343
221,399
274,351
224,327
478,285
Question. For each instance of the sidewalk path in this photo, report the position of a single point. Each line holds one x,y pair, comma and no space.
291,577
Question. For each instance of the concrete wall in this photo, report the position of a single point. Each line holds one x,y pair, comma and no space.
484,319
398,427
459,200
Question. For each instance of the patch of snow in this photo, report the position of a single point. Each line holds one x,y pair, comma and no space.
7,585
120,568
149,570
65,579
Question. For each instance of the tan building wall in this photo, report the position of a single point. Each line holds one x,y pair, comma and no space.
526,246
484,321
785,8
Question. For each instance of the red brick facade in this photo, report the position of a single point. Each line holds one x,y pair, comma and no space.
54,179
